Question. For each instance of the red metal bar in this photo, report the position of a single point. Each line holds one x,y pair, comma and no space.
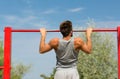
32,30
118,52
35,30
7,53
99,30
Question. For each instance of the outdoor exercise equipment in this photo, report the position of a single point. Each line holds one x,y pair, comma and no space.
8,39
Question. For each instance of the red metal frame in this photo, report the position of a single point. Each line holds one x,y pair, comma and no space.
8,39
7,53
118,32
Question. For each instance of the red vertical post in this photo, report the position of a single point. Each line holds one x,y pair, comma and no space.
118,51
7,53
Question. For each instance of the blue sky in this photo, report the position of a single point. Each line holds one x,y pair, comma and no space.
34,14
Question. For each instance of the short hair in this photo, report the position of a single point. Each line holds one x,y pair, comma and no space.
66,28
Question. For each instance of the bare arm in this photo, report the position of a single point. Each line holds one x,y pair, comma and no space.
85,46
43,47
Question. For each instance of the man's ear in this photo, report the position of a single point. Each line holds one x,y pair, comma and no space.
71,33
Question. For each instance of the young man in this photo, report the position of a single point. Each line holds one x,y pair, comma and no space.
66,49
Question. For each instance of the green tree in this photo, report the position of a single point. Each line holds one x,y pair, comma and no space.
51,75
18,71
102,63
1,57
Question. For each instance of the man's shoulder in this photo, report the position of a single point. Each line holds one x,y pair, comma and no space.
54,40
77,39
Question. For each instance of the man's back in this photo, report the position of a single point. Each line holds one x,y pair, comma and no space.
66,54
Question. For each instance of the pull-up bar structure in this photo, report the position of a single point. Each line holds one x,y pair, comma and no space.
8,41
34,30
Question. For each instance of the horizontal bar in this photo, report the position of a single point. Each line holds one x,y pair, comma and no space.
98,30
34,30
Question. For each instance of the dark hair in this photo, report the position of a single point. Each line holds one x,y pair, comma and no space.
66,28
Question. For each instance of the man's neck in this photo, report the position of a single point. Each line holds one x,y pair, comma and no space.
67,37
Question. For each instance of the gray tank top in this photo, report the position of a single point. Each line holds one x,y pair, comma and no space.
65,54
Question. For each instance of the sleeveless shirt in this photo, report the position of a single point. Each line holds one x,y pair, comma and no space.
65,54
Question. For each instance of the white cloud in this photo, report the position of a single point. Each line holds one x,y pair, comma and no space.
18,19
108,24
10,18
24,21
28,12
75,9
50,11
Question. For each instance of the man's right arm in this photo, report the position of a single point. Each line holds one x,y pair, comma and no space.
85,46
